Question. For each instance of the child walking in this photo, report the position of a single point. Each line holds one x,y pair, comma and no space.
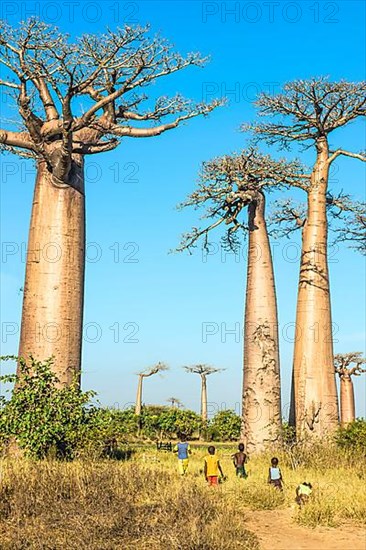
239,460
183,450
212,467
274,475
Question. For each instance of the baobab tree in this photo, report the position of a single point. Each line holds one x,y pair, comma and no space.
203,371
230,187
308,112
175,403
346,220
158,368
342,366
76,99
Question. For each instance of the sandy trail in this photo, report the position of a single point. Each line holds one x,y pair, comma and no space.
276,530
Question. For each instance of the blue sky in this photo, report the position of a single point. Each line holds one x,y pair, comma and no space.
143,304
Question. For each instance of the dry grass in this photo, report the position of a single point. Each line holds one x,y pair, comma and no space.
109,505
143,503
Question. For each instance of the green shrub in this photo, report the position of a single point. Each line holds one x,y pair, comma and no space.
159,422
224,426
40,416
352,436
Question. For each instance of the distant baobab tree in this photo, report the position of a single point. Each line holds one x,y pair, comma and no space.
343,367
76,99
203,371
309,112
159,367
175,402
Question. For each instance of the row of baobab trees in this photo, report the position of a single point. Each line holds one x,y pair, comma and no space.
346,365
81,98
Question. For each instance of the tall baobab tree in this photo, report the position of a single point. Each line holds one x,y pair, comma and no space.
76,99
159,367
342,366
229,186
307,112
203,371
346,219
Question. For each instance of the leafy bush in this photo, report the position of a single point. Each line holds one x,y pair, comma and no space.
159,422
225,426
352,436
177,421
40,416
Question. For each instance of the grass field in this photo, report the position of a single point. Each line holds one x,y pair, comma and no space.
143,503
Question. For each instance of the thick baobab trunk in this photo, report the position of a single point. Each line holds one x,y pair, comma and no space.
204,398
139,396
315,408
348,412
54,282
261,424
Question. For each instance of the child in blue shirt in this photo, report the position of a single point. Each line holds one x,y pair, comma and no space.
183,449
274,475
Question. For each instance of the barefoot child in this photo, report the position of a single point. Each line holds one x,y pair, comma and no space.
212,467
239,460
274,475
183,450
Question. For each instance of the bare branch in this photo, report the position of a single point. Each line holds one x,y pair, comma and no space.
16,139
335,154
352,215
129,131
286,218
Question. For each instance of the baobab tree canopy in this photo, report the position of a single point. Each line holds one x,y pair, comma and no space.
348,364
150,371
202,370
228,184
310,109
83,97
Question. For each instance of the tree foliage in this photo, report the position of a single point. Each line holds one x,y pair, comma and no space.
40,416
352,436
224,426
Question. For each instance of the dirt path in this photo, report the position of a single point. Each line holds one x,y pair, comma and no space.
277,530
